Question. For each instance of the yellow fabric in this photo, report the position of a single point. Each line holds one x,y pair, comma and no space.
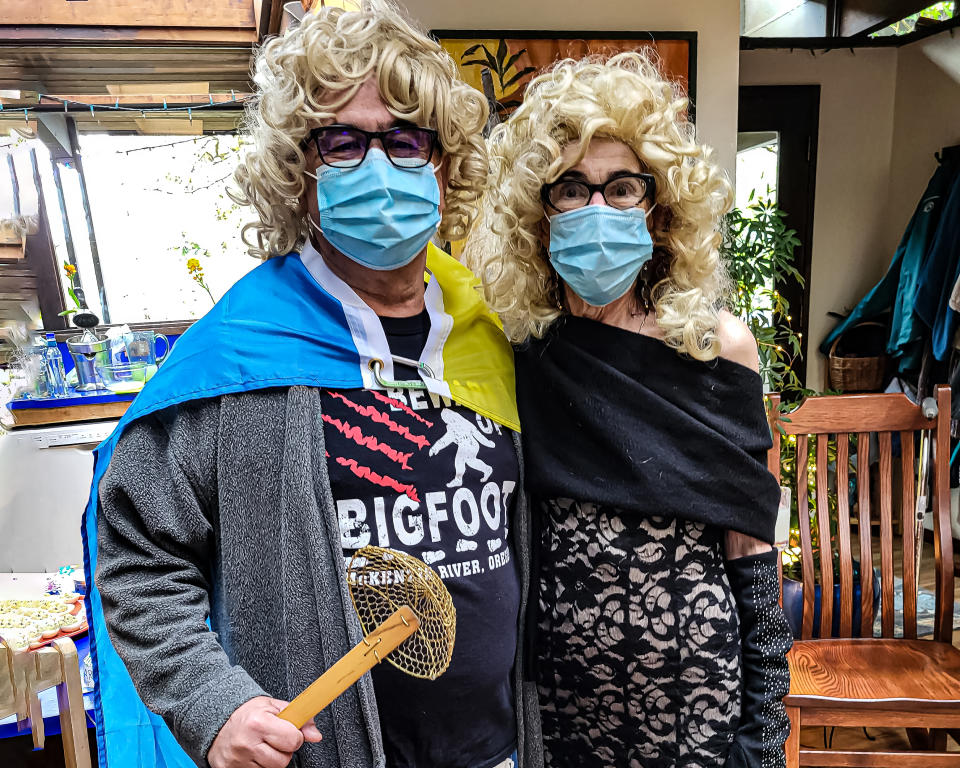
477,358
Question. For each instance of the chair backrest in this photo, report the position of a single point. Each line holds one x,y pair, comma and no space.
848,421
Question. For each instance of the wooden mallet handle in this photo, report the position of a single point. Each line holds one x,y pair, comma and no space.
360,659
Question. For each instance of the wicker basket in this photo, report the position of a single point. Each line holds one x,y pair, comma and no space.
856,374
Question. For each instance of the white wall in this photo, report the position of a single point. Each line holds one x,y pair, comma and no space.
850,249
717,23
883,113
926,118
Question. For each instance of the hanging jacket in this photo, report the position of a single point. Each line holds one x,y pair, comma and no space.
898,288
940,274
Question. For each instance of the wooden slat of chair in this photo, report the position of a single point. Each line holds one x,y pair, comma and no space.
866,535
823,524
942,535
773,464
843,536
908,516
806,546
886,535
773,455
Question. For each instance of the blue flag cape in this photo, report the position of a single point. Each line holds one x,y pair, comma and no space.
285,323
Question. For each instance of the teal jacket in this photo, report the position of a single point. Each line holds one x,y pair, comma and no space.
897,291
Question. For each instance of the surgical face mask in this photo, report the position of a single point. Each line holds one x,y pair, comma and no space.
376,214
599,250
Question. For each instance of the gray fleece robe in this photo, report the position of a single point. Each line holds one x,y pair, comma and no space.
223,508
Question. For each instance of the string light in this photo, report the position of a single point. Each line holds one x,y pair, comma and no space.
117,107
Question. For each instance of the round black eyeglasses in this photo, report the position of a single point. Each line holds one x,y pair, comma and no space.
345,146
625,191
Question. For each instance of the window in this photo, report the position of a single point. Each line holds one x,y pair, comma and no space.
157,203
936,13
132,208
757,158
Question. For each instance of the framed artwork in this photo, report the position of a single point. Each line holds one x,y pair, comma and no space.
508,60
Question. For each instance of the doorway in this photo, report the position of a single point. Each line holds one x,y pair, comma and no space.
777,159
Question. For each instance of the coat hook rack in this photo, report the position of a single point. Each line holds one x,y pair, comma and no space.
948,153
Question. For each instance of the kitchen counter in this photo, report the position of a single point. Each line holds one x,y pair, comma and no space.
78,406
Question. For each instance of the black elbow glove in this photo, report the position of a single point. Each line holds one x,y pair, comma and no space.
764,641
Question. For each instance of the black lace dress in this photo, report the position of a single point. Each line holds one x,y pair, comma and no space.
638,641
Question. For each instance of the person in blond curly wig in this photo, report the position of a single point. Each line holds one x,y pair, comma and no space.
660,641
305,77
353,390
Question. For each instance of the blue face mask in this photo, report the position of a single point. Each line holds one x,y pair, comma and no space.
599,250
376,214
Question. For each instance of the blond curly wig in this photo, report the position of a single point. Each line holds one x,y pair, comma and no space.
624,98
304,77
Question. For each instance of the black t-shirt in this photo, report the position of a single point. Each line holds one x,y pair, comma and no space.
417,473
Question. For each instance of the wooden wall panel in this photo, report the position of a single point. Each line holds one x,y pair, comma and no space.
35,33
89,69
234,14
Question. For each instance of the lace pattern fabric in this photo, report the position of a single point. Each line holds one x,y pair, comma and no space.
638,641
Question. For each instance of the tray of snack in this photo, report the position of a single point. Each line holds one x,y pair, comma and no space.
32,622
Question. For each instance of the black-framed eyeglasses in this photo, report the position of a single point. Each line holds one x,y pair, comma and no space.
627,190
345,146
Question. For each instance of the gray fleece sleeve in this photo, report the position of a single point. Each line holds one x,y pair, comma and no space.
155,554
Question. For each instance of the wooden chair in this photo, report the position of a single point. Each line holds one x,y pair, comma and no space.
868,681
24,674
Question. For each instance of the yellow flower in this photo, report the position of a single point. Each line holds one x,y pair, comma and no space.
193,265
70,270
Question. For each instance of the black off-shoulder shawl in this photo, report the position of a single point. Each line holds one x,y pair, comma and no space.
616,418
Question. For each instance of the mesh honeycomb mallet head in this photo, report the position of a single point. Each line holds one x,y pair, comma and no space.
407,616
383,580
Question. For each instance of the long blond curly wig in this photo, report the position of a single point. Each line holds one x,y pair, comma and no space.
304,77
625,98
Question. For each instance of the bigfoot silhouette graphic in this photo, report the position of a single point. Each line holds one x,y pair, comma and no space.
468,439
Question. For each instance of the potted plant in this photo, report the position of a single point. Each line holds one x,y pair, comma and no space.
758,248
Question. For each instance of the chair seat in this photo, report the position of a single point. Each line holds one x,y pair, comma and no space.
875,673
